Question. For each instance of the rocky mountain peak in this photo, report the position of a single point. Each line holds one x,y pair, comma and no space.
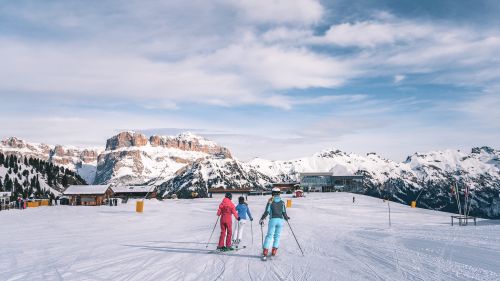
484,149
151,157
126,139
14,142
190,142
330,153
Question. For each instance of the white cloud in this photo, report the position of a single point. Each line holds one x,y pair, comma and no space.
373,33
285,34
281,11
398,78
238,74
279,68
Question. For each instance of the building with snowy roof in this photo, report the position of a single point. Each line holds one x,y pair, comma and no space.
135,191
4,200
88,195
328,182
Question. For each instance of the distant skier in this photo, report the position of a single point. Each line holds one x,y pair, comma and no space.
353,199
226,209
243,211
276,210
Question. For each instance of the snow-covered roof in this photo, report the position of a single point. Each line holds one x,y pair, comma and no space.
132,188
86,189
5,194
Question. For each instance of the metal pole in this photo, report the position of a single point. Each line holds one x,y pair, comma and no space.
458,199
295,238
389,206
262,234
217,221
251,228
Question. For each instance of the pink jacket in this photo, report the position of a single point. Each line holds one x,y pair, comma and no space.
226,208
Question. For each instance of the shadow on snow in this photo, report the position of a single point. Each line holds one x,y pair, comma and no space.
192,251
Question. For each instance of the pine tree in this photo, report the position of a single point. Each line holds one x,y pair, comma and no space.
11,161
25,161
2,158
37,183
18,188
9,185
65,181
1,185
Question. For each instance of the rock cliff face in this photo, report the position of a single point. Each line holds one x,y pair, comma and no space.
83,161
126,139
133,158
190,142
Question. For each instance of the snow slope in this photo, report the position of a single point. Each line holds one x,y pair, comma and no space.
341,240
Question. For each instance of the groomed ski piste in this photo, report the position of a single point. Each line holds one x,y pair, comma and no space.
341,241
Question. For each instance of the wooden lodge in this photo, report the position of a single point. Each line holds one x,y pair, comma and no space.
243,191
88,195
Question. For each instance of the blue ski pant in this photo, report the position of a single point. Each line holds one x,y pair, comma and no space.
273,233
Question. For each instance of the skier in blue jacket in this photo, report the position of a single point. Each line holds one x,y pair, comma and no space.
276,210
243,215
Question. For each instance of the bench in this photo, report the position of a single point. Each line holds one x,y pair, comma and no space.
462,220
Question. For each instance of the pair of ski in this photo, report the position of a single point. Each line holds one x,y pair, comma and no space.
265,258
236,248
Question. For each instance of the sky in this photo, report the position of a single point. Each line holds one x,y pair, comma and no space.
276,79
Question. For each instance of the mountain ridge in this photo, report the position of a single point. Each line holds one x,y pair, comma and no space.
187,162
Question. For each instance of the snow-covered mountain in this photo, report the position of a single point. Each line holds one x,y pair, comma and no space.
210,172
430,174
133,158
34,177
81,160
186,162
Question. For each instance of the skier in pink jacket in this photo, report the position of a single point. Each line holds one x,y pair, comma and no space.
226,209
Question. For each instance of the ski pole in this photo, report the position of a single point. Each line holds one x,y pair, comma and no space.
235,235
217,221
262,234
251,228
295,237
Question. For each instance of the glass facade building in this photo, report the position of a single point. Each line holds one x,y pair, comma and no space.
327,182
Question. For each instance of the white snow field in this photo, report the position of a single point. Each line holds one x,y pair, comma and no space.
341,241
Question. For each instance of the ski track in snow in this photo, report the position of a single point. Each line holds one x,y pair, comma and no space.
341,241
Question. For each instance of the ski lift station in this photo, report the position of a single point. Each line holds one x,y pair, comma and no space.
135,191
328,182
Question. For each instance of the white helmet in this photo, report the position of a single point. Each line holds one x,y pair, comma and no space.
275,191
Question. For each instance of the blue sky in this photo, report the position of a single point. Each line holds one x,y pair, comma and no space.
274,79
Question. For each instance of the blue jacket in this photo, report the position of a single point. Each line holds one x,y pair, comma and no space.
243,210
